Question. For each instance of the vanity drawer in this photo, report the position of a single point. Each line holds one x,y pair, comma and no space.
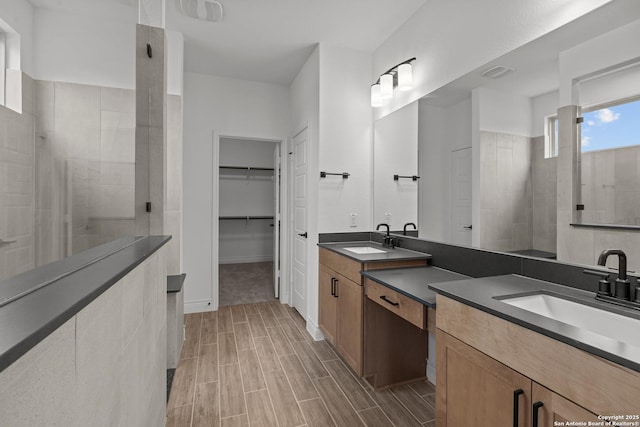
410,310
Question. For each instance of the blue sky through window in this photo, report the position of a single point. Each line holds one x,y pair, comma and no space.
612,127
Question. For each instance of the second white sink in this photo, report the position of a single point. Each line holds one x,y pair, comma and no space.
621,328
362,250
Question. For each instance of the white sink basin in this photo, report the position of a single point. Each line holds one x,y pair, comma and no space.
621,328
362,250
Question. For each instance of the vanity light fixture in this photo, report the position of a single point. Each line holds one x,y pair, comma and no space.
400,75
376,96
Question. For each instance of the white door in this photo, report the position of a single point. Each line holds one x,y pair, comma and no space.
461,197
276,221
299,256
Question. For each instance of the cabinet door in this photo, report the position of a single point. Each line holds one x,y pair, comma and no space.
557,408
476,390
349,339
327,316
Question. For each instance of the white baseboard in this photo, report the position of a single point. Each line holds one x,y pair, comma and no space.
245,259
314,331
198,306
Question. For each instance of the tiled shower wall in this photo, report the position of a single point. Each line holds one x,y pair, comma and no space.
67,168
545,197
85,142
17,185
506,202
518,202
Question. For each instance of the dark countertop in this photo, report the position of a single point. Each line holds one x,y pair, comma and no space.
480,294
29,319
413,282
175,282
395,254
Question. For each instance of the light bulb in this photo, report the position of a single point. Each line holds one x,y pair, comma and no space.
386,86
376,98
405,77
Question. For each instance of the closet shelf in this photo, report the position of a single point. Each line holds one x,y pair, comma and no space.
244,218
246,168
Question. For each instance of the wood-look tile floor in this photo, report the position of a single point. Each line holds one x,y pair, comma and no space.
255,365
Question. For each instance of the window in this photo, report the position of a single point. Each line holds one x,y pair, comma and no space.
612,125
551,136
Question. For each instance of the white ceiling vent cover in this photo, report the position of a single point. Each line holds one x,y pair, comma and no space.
497,71
204,10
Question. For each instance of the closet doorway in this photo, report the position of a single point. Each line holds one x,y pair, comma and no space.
248,222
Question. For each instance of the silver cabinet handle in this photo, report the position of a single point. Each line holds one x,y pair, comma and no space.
6,242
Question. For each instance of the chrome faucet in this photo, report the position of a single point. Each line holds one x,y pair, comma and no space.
622,284
388,241
404,230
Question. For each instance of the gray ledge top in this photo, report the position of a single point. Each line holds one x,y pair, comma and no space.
413,282
484,294
54,293
389,254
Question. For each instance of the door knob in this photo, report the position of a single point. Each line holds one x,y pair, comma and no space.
468,227
303,234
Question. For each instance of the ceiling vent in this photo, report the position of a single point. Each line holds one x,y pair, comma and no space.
204,10
497,71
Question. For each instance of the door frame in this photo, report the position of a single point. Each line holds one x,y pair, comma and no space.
215,209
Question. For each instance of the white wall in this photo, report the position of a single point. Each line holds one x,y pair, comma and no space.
543,106
345,139
482,32
595,55
227,107
84,49
504,112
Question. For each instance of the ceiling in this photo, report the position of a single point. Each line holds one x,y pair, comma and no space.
270,40
537,63
264,40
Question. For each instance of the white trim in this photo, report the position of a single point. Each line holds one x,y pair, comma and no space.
215,204
198,306
314,330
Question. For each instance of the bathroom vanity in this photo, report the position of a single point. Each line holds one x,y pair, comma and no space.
341,291
377,311
530,368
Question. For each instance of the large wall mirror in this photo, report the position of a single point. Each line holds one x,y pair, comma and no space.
487,147
396,177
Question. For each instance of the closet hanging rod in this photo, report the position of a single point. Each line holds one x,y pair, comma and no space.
246,168
344,175
412,177
245,218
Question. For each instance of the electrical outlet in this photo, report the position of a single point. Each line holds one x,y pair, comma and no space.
354,220
387,218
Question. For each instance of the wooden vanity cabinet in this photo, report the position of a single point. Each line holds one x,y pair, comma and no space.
556,408
482,360
479,390
340,312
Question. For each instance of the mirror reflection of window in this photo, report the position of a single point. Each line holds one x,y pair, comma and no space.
610,176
